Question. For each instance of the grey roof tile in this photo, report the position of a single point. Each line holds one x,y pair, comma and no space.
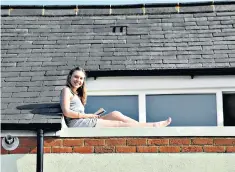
38,51
12,121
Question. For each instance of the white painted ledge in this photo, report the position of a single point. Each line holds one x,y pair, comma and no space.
24,133
145,132
129,132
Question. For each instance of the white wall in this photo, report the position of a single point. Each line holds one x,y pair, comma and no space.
160,84
138,162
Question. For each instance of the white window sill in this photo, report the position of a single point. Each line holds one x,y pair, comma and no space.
130,132
24,133
145,132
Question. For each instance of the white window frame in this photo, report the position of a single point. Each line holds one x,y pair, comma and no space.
154,85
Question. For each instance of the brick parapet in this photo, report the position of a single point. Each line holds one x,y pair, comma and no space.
127,145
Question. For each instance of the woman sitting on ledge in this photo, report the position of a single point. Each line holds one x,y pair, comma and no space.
73,98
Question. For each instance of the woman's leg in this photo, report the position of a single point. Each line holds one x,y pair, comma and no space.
162,123
113,123
118,116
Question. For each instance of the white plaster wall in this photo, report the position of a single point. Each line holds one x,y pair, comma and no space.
180,162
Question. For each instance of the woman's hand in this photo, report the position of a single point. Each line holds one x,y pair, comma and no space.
93,116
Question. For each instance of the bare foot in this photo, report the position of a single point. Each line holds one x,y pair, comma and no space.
162,123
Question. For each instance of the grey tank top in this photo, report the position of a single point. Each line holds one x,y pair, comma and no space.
75,105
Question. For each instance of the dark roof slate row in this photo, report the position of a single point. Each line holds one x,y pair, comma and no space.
138,9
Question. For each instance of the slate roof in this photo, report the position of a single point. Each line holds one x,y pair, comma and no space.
41,44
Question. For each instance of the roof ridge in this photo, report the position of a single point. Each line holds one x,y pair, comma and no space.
122,5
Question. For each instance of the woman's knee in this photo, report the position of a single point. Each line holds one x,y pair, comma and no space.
116,113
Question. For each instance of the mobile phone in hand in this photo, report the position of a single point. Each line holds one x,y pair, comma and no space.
100,112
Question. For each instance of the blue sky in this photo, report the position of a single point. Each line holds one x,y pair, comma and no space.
92,2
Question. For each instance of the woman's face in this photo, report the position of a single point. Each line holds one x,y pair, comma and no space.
77,79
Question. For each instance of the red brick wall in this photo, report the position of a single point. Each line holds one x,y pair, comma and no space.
127,145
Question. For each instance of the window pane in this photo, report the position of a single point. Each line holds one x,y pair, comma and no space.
229,109
128,105
185,110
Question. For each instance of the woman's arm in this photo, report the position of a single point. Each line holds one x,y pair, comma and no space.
65,104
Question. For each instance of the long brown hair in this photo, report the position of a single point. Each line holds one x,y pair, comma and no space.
82,92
